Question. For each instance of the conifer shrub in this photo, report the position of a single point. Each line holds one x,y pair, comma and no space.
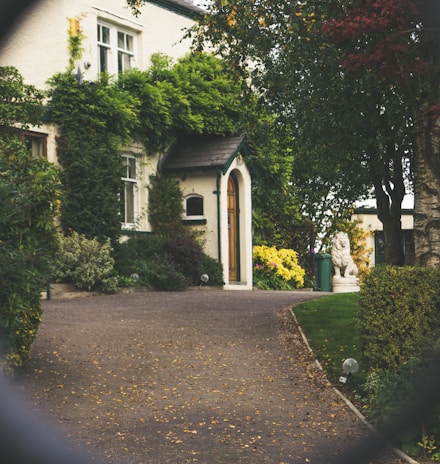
399,315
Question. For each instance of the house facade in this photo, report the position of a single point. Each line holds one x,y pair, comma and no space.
217,198
369,221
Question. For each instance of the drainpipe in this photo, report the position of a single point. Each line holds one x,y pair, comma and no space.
217,192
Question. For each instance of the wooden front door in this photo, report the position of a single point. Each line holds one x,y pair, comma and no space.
232,230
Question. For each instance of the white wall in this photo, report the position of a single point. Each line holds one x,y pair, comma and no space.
38,47
371,223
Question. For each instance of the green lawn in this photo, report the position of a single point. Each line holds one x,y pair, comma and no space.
330,325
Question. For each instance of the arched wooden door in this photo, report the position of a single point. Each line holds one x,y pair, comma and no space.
233,230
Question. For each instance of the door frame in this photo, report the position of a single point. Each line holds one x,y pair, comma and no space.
234,249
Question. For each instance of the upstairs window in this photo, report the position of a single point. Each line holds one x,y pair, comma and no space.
116,49
103,48
125,51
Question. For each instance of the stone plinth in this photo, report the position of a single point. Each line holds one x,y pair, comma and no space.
345,284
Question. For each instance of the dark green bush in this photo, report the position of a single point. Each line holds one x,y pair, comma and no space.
214,269
399,315
170,279
131,255
187,255
165,264
387,392
143,261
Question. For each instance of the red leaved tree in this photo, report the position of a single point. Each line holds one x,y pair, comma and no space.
397,41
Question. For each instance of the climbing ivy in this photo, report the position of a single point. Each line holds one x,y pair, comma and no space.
95,120
196,94
154,107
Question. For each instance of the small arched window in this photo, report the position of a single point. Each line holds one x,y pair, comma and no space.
194,207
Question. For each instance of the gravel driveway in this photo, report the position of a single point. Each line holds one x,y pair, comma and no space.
186,377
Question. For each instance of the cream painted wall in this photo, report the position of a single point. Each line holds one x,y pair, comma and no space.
38,48
205,184
371,223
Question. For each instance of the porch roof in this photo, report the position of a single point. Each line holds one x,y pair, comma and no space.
204,152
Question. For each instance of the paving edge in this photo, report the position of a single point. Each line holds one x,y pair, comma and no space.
348,403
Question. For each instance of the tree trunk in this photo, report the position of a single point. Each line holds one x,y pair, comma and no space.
389,192
390,216
427,193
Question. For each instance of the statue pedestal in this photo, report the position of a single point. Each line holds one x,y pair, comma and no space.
345,284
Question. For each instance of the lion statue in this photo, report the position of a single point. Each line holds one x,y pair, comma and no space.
342,261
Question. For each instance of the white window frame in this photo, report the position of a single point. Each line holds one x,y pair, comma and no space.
36,142
194,217
120,55
130,192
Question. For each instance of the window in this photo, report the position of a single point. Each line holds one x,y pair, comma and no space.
103,48
36,143
129,192
125,51
194,207
116,49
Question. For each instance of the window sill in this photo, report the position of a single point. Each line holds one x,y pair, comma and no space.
194,222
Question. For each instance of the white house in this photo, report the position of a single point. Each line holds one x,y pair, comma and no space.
369,221
212,171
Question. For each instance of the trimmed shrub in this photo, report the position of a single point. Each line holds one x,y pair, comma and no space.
187,255
87,263
214,269
399,315
132,255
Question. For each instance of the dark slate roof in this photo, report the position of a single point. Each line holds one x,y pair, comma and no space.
183,7
203,152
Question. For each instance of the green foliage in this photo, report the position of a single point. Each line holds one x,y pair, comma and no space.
141,260
137,249
95,121
399,316
187,256
29,195
386,391
275,206
214,269
165,264
276,269
197,94
165,206
75,48
20,104
349,134
86,263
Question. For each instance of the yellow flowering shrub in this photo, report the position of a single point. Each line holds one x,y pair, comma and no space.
277,269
